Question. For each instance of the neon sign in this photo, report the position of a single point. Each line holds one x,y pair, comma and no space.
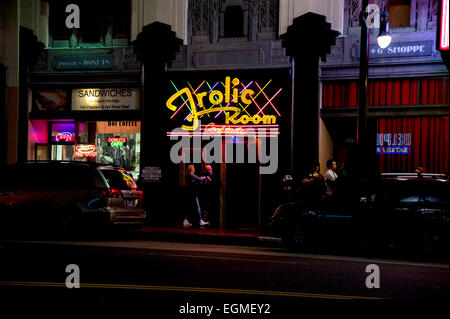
443,32
397,143
117,141
85,150
213,129
64,137
240,103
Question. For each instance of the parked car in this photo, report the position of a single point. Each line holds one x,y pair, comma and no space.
126,198
65,195
407,210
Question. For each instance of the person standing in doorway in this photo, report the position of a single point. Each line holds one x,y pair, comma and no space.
208,197
331,177
193,215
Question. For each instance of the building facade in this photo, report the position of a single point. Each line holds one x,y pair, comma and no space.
78,93
408,91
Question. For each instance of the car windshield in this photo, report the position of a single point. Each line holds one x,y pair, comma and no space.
119,179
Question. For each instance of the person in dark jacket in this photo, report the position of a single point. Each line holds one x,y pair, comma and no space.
193,215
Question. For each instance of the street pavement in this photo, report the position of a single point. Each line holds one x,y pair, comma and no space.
173,277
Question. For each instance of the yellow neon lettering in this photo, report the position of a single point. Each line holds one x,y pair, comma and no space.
212,98
269,119
169,102
235,91
227,89
256,119
219,109
217,97
193,116
244,96
200,97
244,119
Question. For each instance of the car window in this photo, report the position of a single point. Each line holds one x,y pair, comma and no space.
412,192
399,192
118,179
411,199
436,200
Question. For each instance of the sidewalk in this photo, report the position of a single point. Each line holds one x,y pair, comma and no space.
204,235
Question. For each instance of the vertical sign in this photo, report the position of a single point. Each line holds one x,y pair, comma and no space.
442,31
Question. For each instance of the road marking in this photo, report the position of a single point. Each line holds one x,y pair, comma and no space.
191,289
238,259
152,245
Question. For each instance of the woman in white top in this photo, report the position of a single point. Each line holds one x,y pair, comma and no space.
331,177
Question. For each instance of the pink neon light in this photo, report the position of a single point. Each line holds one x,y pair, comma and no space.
67,136
187,100
257,105
117,139
444,38
245,87
271,130
270,101
89,150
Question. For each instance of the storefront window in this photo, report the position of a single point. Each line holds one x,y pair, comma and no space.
63,138
399,13
119,143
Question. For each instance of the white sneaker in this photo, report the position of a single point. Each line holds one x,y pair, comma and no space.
203,223
186,223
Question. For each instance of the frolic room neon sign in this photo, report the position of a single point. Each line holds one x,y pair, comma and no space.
241,103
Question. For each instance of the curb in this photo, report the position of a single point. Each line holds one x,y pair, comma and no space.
208,239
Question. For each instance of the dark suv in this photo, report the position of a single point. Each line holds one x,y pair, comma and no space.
394,209
64,195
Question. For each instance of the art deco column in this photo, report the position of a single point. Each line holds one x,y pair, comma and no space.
308,38
155,47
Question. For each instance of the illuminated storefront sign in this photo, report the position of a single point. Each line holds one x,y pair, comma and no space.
85,150
84,62
213,129
443,32
117,141
237,108
105,99
64,137
396,143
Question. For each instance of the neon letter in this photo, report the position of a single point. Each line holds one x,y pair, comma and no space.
244,96
218,100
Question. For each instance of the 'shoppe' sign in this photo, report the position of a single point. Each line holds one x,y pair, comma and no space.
402,49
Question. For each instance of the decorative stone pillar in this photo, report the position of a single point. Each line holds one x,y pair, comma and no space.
29,50
155,47
308,38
